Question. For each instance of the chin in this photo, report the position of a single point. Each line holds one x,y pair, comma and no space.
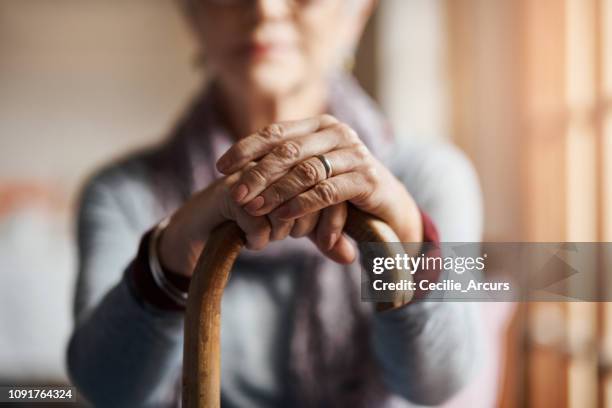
275,79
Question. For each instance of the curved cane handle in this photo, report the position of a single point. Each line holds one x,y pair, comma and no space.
201,352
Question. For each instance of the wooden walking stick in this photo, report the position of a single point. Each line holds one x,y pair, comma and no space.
201,353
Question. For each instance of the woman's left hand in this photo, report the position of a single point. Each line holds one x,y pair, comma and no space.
289,180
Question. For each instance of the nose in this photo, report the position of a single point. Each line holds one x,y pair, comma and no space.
272,9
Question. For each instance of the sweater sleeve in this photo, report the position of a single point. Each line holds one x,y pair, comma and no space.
122,352
428,350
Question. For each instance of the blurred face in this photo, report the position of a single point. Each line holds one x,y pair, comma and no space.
273,46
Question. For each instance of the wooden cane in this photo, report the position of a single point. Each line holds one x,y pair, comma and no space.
201,352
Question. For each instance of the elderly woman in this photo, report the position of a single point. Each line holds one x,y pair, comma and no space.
279,141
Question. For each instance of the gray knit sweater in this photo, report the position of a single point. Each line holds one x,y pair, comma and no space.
125,354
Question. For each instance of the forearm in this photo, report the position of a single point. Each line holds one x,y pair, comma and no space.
124,354
427,350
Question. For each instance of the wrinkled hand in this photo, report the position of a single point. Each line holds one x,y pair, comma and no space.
183,239
289,182
275,186
323,227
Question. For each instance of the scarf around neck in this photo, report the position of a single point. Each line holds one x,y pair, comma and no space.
331,362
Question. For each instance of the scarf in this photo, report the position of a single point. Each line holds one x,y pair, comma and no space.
331,361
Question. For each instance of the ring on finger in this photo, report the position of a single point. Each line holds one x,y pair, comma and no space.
327,164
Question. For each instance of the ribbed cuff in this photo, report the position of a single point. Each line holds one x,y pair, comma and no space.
143,283
430,232
430,248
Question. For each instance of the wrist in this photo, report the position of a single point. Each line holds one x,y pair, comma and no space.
169,248
161,276
142,283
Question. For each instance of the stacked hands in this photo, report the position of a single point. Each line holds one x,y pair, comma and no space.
276,185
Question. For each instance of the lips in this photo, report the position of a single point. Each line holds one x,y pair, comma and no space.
258,49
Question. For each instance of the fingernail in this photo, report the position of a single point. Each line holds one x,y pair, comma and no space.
331,241
222,164
255,204
239,192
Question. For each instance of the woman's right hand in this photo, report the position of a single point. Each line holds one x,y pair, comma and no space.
185,235
183,239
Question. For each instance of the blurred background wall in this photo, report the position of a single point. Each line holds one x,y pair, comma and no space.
524,87
81,81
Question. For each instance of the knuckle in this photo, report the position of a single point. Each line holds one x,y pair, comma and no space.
298,229
347,133
256,175
275,195
250,165
326,192
284,229
326,119
362,152
287,151
238,153
277,233
272,132
257,235
300,204
303,226
371,174
264,229
308,172
297,233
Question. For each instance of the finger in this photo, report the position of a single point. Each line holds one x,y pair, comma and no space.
304,176
305,225
344,187
230,180
257,230
330,225
289,153
280,228
259,143
343,252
